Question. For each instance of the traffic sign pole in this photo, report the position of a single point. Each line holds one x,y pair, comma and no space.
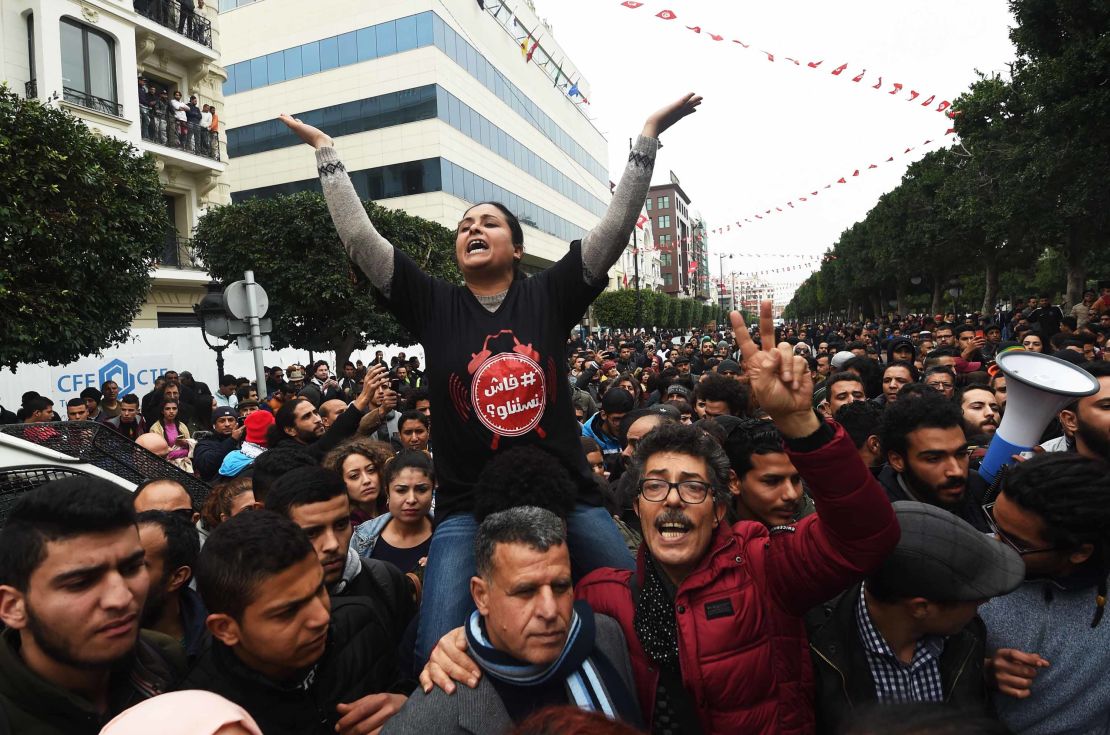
253,316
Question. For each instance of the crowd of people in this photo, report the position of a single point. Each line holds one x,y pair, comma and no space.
794,565
732,531
169,120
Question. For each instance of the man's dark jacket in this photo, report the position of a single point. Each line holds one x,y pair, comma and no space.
359,660
842,676
344,426
209,454
970,509
33,705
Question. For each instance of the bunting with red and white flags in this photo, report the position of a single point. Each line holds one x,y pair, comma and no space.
895,89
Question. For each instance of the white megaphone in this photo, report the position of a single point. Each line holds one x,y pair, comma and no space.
1037,388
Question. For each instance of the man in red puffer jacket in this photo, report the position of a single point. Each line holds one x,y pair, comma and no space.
713,613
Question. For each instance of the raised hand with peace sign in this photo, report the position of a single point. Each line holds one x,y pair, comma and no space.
780,380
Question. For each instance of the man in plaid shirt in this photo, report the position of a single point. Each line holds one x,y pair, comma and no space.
910,632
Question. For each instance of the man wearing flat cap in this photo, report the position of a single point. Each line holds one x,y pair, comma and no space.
910,631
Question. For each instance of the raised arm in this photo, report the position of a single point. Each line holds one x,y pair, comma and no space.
854,527
365,245
602,246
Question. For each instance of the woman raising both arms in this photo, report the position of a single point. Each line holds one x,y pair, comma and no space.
495,353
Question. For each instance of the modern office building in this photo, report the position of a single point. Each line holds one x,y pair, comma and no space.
86,56
434,105
681,234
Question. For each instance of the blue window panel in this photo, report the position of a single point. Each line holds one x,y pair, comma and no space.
471,60
424,32
370,109
243,80
469,188
275,67
329,53
487,133
455,115
438,35
367,44
458,181
467,116
348,49
443,105
406,33
229,85
387,38
310,57
293,63
450,46
258,72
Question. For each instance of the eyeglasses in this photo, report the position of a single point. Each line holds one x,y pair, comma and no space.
940,386
1020,548
690,491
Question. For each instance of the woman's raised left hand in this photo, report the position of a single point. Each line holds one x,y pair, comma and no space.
667,116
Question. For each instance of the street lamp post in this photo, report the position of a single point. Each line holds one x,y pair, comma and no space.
210,311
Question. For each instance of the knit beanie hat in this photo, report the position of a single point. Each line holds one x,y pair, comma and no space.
258,423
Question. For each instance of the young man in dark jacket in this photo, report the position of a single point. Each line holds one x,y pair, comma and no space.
910,632
297,662
73,583
210,450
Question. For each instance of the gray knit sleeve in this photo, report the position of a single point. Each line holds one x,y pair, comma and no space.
366,247
602,246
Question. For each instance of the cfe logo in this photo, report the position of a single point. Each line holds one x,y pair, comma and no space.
509,393
117,372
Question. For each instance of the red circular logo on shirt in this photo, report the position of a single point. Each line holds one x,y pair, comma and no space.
509,394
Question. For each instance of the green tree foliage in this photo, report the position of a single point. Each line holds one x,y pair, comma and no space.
319,299
81,225
617,309
1018,206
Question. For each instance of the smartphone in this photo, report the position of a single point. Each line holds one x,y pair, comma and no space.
979,334
395,385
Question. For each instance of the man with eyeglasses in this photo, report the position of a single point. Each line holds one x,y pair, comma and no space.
688,610
1048,643
941,378
165,495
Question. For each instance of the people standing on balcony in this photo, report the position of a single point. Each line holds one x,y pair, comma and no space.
205,147
192,116
164,120
146,96
181,120
214,130
185,18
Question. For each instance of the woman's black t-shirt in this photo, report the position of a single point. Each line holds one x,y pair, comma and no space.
498,379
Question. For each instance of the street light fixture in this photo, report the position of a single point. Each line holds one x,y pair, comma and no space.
213,321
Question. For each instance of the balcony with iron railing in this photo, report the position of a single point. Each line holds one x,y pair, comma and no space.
182,136
178,252
186,22
92,102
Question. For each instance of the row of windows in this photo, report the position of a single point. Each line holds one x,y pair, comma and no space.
224,5
396,36
476,127
396,108
365,44
372,113
429,175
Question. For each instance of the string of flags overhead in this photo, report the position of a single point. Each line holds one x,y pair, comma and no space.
898,90
812,194
533,51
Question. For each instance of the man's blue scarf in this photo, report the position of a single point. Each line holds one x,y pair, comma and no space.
591,681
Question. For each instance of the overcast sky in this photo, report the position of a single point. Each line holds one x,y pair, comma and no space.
769,132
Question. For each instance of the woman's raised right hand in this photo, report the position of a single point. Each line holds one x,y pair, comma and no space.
313,136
